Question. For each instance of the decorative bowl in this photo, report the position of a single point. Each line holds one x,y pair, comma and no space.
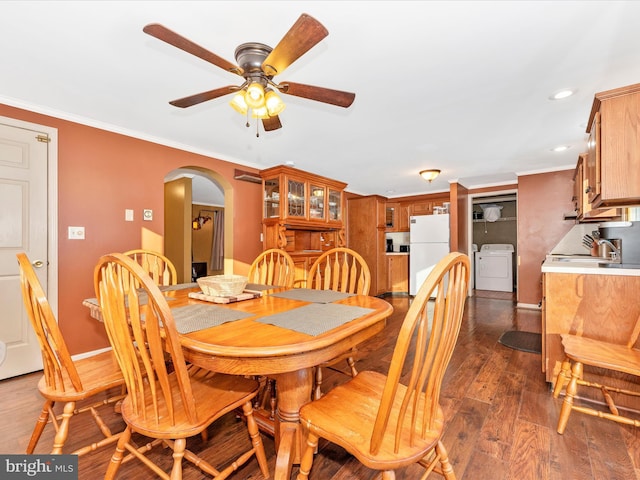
222,285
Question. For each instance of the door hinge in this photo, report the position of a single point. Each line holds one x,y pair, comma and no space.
43,138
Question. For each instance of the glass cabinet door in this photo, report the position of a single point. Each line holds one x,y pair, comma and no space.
296,199
272,198
335,205
316,202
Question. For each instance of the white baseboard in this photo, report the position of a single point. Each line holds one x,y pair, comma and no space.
530,306
80,356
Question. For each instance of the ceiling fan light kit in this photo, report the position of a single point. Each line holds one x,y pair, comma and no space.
258,64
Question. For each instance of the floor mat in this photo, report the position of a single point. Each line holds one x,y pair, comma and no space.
524,341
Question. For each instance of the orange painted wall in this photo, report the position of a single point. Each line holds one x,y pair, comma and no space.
542,200
100,174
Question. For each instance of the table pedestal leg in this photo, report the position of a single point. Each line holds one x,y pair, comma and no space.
292,390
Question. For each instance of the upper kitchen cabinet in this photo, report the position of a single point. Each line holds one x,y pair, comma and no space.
613,155
584,211
397,217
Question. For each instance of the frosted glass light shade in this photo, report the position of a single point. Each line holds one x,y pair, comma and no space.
274,103
255,95
260,112
238,103
430,175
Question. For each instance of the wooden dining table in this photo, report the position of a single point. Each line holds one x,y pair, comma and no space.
282,334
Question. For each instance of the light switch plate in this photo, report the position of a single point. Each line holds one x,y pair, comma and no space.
128,215
147,214
76,233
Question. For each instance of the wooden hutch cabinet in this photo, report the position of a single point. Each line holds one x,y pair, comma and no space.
302,214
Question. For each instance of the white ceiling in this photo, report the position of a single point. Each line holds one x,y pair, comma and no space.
459,86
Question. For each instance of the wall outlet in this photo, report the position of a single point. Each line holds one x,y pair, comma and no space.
147,214
76,233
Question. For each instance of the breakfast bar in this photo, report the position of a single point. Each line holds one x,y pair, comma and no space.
586,296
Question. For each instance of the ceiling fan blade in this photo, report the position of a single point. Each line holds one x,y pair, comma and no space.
203,97
319,94
163,33
271,123
300,38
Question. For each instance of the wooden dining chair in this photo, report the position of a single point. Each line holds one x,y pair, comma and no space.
343,270
272,267
580,351
81,385
166,404
156,265
391,421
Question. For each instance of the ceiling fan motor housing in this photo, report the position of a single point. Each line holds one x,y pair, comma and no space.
250,57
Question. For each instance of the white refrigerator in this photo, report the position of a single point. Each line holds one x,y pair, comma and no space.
429,242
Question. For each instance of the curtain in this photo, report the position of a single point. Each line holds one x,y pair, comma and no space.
217,245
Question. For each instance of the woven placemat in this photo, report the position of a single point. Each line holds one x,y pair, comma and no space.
312,295
180,286
315,318
198,317
258,287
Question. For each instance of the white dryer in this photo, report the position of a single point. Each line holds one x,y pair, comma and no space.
494,267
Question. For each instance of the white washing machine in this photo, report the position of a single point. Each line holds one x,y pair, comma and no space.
494,267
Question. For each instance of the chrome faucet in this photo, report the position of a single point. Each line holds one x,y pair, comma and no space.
615,255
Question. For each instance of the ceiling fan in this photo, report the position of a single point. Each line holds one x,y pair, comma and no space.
258,64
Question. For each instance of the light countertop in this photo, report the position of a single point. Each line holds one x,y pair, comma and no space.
397,253
587,266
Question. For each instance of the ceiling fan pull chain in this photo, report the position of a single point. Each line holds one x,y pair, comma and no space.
257,129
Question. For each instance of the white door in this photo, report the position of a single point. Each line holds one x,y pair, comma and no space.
23,228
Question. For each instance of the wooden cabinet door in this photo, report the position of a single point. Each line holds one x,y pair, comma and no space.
578,186
391,216
398,273
593,161
402,218
421,208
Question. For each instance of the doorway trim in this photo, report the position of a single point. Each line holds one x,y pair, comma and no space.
52,204
470,200
229,215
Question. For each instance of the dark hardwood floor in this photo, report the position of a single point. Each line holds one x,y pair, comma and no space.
501,415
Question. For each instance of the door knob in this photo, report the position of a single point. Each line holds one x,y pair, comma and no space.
38,263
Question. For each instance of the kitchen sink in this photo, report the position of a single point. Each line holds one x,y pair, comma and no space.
577,258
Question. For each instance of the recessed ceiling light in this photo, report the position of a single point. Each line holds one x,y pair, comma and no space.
290,163
560,148
564,93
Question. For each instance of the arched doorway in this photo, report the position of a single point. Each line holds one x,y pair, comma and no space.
185,187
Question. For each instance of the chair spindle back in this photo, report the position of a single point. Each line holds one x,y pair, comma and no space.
59,369
340,269
272,267
142,332
423,349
